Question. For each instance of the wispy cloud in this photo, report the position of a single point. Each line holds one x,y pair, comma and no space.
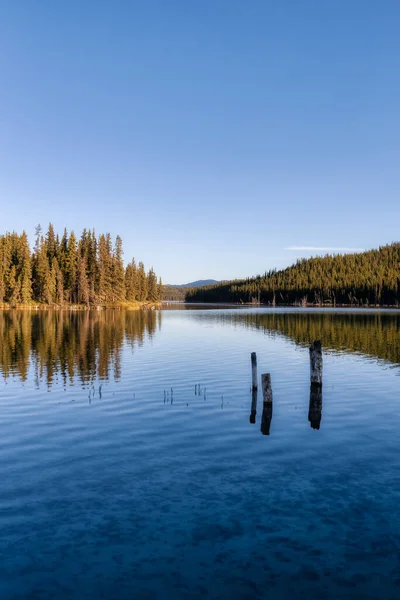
325,248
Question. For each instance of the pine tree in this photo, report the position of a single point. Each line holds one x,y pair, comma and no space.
142,283
57,283
71,270
131,282
14,288
105,276
2,270
152,288
25,269
51,244
118,272
62,253
42,283
83,284
50,283
160,290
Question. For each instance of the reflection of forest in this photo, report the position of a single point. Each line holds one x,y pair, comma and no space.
374,334
86,344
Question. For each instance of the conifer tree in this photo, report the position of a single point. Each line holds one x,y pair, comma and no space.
105,269
160,290
51,244
6,266
25,269
83,284
152,288
142,283
62,253
14,288
118,272
71,270
43,284
57,283
131,281
2,271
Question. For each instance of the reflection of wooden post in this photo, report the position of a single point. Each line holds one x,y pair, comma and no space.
253,406
316,363
267,403
254,370
315,407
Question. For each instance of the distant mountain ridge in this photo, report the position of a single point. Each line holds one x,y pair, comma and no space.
178,292
198,283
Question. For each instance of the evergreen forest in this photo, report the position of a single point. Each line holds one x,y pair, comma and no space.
88,271
369,278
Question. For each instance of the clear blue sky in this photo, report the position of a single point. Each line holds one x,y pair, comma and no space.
210,134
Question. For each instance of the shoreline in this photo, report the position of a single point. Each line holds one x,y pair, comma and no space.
148,305
280,306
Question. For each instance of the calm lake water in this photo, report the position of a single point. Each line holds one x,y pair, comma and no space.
121,479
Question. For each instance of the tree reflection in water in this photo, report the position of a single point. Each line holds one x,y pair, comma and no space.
375,334
70,344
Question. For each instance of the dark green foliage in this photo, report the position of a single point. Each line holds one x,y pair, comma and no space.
152,288
104,289
142,283
131,281
88,272
71,270
15,269
51,244
362,279
118,272
175,293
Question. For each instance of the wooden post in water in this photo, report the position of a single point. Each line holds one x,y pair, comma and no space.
254,370
267,403
316,363
315,406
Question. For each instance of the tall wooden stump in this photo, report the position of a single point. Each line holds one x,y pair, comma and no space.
315,406
267,403
254,370
316,363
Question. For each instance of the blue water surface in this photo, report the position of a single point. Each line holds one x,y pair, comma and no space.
132,482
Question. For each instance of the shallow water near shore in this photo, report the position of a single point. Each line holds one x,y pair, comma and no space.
130,467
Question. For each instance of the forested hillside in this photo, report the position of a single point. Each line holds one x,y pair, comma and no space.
359,279
174,293
86,271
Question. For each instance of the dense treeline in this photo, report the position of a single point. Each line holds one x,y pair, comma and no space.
174,293
359,279
86,271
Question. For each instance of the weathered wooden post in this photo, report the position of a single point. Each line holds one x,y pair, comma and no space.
253,407
254,370
316,363
267,403
315,406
